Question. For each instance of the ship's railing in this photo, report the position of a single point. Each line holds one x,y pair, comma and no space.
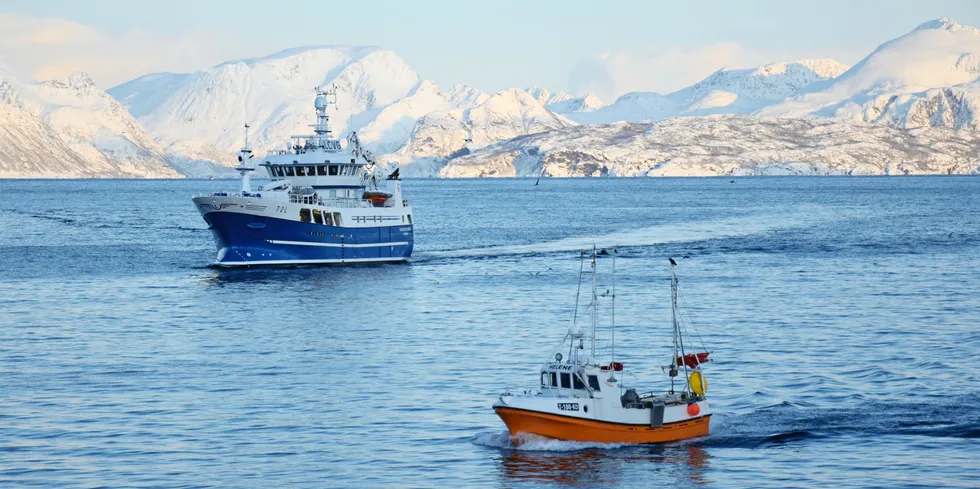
317,200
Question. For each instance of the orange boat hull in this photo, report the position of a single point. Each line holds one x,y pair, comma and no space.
586,430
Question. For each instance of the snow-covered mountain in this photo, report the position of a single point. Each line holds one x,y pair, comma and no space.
724,92
503,116
928,77
725,145
198,115
72,129
563,103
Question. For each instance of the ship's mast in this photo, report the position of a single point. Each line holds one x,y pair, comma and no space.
612,371
595,303
244,170
678,339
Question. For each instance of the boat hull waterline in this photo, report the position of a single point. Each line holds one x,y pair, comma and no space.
568,428
250,239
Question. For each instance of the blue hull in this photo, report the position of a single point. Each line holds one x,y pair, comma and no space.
247,240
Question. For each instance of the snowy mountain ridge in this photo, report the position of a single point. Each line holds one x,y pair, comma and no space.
928,78
71,128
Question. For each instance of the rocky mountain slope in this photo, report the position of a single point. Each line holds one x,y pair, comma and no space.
725,145
72,129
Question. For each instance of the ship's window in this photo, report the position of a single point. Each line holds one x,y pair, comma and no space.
343,170
280,172
327,219
271,171
321,170
333,193
337,221
289,172
300,171
545,378
317,216
566,380
304,215
578,382
310,171
333,170
409,218
594,382
554,379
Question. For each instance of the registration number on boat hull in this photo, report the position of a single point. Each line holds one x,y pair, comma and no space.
568,406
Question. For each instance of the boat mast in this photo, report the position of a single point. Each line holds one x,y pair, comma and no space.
595,303
243,169
612,371
678,340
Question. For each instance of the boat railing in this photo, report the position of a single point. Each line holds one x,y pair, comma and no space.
328,202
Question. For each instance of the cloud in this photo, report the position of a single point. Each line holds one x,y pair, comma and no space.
48,48
609,75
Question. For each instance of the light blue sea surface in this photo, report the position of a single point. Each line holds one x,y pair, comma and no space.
843,315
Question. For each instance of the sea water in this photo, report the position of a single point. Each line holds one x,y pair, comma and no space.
843,317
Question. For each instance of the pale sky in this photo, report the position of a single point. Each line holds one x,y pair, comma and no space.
609,47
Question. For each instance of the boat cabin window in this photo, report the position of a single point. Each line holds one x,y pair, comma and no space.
333,170
321,170
280,172
336,219
545,379
554,379
578,384
310,171
304,215
594,382
327,219
289,172
317,216
300,171
566,380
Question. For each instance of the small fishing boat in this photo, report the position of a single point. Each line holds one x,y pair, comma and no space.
584,398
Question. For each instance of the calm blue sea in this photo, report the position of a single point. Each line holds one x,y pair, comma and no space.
843,315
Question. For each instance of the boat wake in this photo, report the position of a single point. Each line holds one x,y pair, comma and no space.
533,443
788,424
679,232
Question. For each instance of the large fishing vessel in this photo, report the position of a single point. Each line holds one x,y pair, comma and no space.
325,205
583,398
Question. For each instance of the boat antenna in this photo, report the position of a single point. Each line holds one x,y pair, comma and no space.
612,371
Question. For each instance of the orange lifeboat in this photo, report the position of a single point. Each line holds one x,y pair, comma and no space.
377,199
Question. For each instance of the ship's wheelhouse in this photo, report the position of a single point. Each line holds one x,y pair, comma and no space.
279,171
561,378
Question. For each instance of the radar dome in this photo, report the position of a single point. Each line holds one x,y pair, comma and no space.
321,102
